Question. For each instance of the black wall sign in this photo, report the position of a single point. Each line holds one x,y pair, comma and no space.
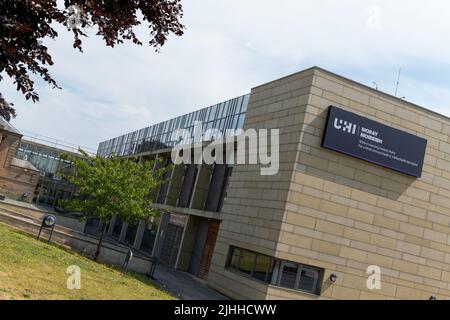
372,141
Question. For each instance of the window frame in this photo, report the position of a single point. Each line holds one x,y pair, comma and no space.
268,280
317,282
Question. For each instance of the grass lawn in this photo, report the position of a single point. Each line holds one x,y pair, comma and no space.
31,269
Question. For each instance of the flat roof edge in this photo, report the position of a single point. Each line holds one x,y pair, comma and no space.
366,87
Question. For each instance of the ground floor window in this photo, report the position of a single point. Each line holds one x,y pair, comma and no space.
117,228
149,237
277,272
130,235
92,226
288,275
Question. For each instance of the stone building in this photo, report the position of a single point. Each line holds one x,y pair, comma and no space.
45,154
328,225
18,177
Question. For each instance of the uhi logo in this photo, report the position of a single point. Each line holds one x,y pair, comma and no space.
345,126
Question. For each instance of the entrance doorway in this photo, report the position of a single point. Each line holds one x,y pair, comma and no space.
171,245
203,249
209,248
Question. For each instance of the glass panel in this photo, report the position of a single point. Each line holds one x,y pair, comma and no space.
240,124
117,228
202,115
225,109
274,272
219,111
261,266
235,120
92,226
245,103
231,107
288,275
220,125
246,262
212,113
148,239
208,111
308,279
131,234
234,259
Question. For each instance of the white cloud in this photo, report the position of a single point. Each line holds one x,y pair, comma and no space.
230,46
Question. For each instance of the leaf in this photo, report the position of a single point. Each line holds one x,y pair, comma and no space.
113,186
26,23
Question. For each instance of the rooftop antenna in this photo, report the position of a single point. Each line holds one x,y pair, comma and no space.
398,80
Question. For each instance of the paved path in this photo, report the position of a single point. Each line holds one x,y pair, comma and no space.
28,205
184,285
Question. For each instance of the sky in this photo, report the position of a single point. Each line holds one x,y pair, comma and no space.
230,46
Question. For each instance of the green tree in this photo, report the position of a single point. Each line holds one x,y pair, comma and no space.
114,186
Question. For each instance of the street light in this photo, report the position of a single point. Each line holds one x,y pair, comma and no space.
48,222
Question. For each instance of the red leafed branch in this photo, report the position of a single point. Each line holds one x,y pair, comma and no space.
25,23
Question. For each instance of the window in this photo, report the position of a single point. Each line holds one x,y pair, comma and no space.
245,103
130,235
262,266
117,228
148,239
227,109
234,259
218,185
241,120
246,261
187,187
277,272
308,278
288,275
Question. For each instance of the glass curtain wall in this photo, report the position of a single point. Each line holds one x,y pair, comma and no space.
223,116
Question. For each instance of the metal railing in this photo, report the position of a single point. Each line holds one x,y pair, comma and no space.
55,143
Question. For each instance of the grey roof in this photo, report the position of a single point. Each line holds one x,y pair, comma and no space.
23,164
5,125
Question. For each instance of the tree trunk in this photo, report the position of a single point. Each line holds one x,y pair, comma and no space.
100,241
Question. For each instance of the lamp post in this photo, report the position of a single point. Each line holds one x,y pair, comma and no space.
48,222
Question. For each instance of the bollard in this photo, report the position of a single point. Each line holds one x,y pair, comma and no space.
151,272
126,262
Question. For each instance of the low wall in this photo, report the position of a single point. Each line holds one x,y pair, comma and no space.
38,214
110,253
